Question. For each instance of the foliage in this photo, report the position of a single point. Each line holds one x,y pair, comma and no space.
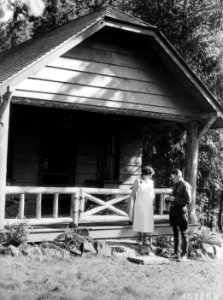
166,150
15,235
163,246
8,7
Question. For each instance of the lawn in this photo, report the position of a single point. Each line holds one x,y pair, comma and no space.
96,277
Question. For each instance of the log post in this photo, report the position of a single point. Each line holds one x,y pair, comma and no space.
4,132
130,206
55,205
82,203
161,203
21,206
39,206
191,167
75,202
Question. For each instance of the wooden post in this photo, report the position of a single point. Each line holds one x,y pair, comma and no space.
130,206
82,202
55,205
161,204
191,166
21,206
75,208
4,132
38,206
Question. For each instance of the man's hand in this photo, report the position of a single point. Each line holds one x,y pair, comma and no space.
170,198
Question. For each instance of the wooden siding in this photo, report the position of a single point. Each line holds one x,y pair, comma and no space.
130,157
101,72
26,146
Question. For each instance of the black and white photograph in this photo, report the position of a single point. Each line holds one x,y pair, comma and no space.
111,149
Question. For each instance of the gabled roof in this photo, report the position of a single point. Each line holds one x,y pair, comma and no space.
18,58
23,60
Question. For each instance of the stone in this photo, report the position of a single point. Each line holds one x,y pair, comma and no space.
15,251
199,253
37,251
149,260
207,248
122,252
88,247
218,253
102,248
24,248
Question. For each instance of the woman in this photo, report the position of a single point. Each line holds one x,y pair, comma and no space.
143,196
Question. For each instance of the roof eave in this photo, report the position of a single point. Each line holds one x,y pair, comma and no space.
53,54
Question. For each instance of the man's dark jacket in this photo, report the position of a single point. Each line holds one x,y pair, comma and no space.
178,209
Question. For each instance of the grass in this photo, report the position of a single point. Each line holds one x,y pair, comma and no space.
95,277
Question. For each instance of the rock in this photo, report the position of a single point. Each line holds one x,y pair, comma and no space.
24,248
122,252
199,253
75,251
102,248
218,252
37,251
149,260
15,251
208,249
88,247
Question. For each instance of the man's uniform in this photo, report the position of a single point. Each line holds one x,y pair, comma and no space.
179,215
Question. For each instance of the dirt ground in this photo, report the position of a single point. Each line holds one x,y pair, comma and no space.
97,277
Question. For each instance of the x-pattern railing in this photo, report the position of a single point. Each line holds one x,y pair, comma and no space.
78,208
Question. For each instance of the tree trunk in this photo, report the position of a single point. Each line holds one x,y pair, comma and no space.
220,214
191,166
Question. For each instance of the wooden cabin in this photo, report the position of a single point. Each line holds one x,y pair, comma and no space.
75,103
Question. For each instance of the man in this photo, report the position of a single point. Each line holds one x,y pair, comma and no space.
181,197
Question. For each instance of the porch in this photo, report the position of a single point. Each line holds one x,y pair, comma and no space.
99,212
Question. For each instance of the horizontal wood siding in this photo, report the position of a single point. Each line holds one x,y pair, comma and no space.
102,73
130,157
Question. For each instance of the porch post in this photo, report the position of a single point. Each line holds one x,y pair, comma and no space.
4,129
191,166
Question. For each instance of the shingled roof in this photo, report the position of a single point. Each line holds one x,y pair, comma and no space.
18,58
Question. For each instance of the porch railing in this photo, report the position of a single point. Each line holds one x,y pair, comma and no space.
87,205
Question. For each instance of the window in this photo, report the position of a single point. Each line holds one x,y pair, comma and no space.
108,160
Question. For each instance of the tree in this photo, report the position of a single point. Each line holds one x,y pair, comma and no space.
8,8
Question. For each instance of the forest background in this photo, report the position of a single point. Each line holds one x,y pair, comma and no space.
195,28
